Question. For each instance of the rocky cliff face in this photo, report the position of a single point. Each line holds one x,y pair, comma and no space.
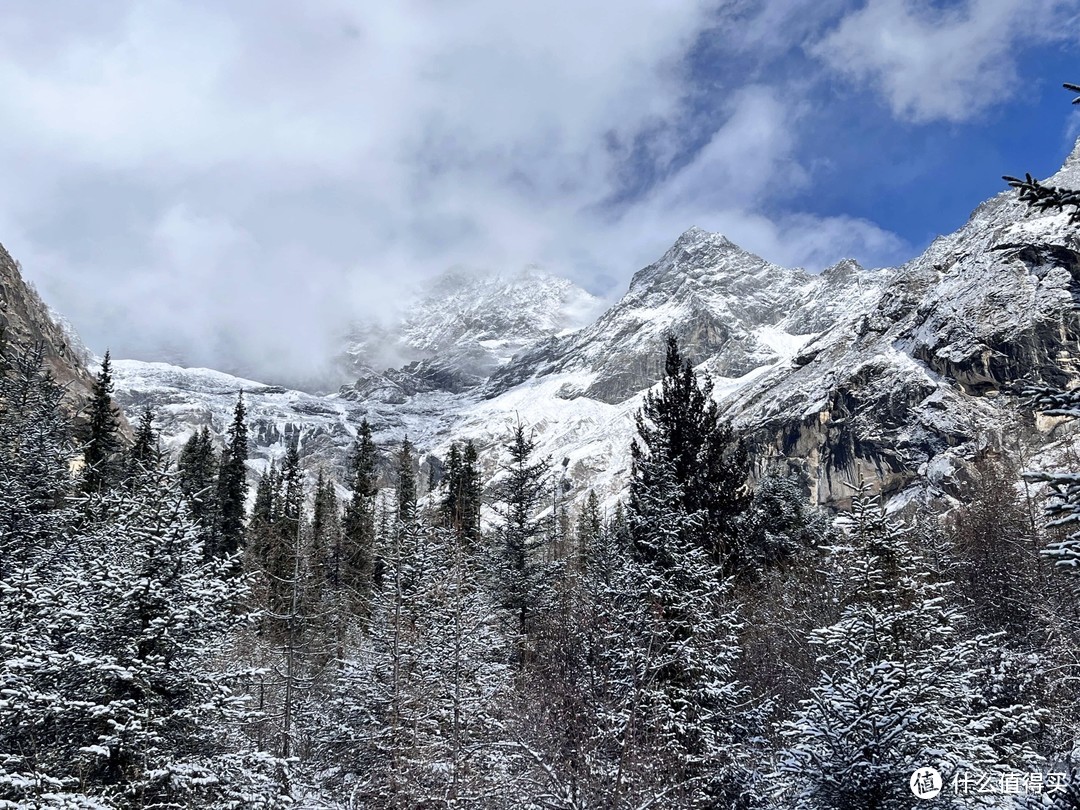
26,320
907,387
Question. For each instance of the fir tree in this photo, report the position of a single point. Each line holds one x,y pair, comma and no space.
100,453
325,529
689,712
353,558
460,507
35,453
232,486
780,522
899,690
108,633
145,453
589,530
680,431
198,471
520,534
405,484
282,546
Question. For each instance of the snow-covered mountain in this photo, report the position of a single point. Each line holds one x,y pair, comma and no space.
895,375
461,328
725,305
910,384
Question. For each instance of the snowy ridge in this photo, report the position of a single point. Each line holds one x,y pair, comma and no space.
715,297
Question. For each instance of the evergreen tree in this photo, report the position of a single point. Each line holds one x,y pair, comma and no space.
899,690
522,570
232,486
416,715
198,471
283,544
688,711
460,507
35,452
110,622
325,529
780,521
103,444
145,453
681,434
405,484
353,558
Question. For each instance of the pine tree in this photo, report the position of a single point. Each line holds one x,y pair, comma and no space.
232,486
103,444
416,714
689,712
680,431
405,484
35,453
325,530
282,545
460,507
108,634
522,571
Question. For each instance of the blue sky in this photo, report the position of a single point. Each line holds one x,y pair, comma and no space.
231,184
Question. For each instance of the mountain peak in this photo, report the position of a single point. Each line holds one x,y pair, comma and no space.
695,236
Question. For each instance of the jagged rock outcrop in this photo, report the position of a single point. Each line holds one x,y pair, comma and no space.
936,365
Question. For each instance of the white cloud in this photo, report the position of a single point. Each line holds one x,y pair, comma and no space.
234,182
941,63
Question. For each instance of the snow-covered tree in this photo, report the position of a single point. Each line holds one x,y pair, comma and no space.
198,468
415,716
101,452
780,522
144,453
110,621
680,430
232,486
687,719
519,535
352,560
460,506
898,691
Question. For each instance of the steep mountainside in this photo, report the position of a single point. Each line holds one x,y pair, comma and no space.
25,320
910,384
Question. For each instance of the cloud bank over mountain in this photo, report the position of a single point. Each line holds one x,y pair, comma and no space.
233,184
